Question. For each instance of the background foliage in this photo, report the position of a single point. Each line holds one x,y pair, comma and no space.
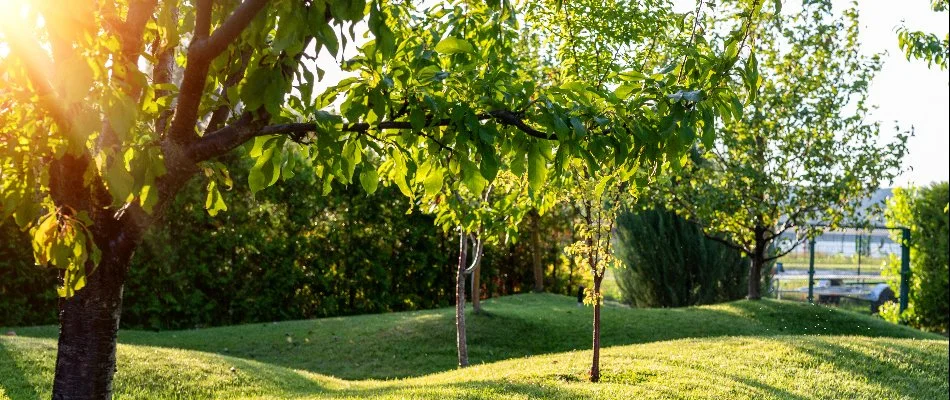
924,211
668,262
288,252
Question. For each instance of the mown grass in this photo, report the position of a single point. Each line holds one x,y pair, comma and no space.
736,350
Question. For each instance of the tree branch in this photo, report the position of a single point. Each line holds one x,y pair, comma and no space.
231,28
202,20
200,53
132,29
220,115
162,72
783,253
225,139
725,242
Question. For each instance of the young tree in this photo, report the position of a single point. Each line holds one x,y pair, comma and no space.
803,152
615,51
108,108
598,202
479,218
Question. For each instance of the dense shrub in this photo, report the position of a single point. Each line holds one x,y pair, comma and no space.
287,253
668,262
924,211
26,291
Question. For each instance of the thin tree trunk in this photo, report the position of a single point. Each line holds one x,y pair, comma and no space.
460,302
85,360
536,251
476,285
595,363
570,275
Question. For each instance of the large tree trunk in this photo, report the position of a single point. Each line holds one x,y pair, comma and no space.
595,362
536,251
755,278
758,262
85,362
460,302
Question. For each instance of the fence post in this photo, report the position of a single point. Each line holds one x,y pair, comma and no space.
811,270
905,268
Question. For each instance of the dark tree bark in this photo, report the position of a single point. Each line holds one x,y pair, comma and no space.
89,320
85,361
758,262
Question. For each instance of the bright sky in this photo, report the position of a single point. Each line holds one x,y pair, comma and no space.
907,91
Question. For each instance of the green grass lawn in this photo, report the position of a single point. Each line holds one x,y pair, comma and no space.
525,346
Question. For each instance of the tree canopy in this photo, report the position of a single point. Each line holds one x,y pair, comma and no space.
804,154
110,107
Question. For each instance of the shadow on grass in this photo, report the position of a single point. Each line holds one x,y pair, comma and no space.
481,389
411,344
12,378
920,374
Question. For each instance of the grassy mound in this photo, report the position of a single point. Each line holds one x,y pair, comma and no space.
740,349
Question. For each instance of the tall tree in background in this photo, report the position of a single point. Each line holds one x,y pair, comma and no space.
109,108
803,152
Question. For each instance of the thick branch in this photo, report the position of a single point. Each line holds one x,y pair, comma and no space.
200,53
202,20
225,139
132,29
231,28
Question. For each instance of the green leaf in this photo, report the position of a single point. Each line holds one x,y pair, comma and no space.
369,179
452,45
709,131
119,182
148,198
623,91
417,118
214,203
399,173
472,177
263,173
122,114
433,181
254,88
428,73
537,168
489,166
602,185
